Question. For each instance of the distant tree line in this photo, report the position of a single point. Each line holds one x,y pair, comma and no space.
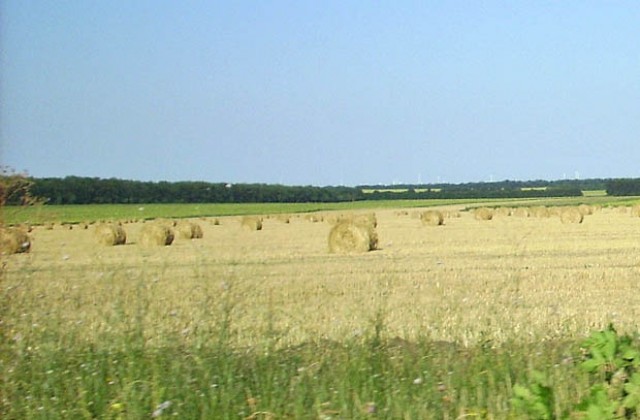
79,190
83,190
455,193
623,186
506,185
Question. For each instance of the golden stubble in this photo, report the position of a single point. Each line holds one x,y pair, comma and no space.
467,280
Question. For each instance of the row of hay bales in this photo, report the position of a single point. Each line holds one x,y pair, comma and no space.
567,214
158,233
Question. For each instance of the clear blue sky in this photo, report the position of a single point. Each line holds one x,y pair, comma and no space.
321,92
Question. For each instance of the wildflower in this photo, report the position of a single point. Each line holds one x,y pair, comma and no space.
160,409
370,408
417,381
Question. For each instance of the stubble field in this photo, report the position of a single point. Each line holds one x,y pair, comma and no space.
468,280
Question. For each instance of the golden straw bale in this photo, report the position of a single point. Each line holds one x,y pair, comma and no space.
432,218
251,223
571,215
188,230
540,212
522,212
349,237
156,234
483,213
284,218
14,241
555,211
110,234
503,211
313,218
367,219
635,210
585,209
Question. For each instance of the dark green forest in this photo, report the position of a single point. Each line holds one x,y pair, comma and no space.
85,190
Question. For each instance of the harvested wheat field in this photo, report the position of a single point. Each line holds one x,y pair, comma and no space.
506,278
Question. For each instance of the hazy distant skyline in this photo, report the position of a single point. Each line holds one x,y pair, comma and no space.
321,93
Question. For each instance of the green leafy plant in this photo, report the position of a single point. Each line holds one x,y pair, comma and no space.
535,400
612,362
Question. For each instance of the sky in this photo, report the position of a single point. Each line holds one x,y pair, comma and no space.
331,92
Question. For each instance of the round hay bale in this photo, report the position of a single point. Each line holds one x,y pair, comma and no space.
483,213
366,219
503,211
155,234
635,210
110,234
571,215
313,218
14,241
522,212
540,212
251,223
188,230
348,237
585,209
284,218
432,218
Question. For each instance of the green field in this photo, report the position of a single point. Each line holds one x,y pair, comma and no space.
42,214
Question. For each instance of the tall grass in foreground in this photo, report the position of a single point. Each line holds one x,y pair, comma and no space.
49,375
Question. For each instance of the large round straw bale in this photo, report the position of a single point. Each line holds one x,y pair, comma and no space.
522,212
110,234
188,230
14,241
635,210
483,213
540,211
155,234
348,237
585,209
366,219
432,218
251,223
503,211
571,215
313,217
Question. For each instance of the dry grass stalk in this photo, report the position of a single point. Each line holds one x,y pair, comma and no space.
14,241
188,230
483,213
251,223
432,218
348,237
571,215
155,234
110,234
